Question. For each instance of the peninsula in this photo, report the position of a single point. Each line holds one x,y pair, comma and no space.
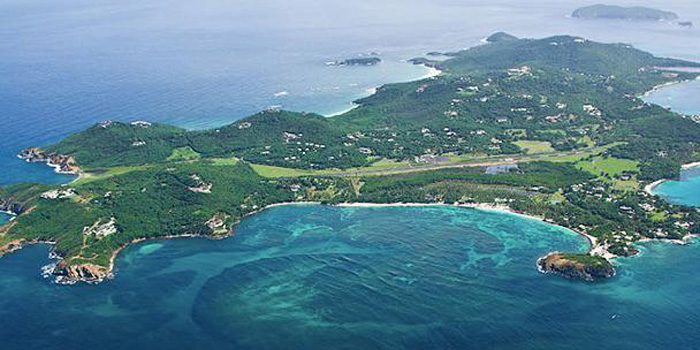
552,128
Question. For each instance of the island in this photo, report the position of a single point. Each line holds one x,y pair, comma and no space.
500,37
576,266
360,61
636,13
551,128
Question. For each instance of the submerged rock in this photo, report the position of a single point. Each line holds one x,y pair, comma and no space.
577,266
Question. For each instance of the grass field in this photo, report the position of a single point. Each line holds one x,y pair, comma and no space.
275,171
184,153
600,166
100,174
225,161
534,147
612,167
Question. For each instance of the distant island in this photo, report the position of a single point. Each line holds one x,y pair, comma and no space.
551,128
627,13
360,61
500,37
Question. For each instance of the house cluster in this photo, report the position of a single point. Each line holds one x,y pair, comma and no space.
520,71
141,123
104,124
218,223
592,110
201,187
98,229
667,222
59,194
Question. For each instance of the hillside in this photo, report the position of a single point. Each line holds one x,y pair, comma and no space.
488,99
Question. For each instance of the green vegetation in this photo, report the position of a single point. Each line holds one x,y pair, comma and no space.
636,13
562,108
184,153
531,147
101,174
609,166
594,261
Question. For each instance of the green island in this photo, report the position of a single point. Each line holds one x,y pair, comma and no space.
553,128
636,13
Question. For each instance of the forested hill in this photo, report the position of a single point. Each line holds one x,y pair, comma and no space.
565,91
570,53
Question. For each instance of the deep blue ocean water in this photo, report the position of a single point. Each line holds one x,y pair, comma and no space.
312,277
315,277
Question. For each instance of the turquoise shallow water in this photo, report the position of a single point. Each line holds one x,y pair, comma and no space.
684,191
316,277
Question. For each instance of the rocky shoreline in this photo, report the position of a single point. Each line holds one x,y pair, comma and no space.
62,164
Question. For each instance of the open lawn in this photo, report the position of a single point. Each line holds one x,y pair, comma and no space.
534,147
100,174
600,166
184,153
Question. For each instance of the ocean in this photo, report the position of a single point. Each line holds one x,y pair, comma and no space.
317,277
311,276
681,98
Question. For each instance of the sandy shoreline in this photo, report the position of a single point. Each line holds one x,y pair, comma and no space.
432,72
593,241
334,114
665,85
650,187
690,165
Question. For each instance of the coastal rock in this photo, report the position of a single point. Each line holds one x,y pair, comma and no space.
11,246
577,266
9,205
62,164
70,274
